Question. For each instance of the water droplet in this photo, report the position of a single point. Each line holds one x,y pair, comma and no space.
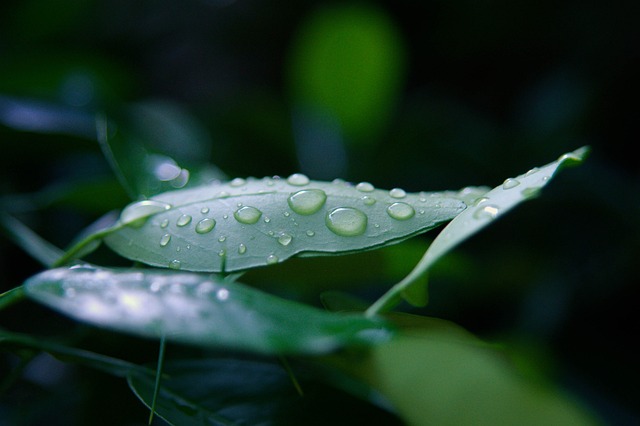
285,239
298,179
136,214
532,171
175,264
205,225
222,194
286,214
368,201
237,182
165,240
510,183
307,201
346,221
271,259
397,193
204,210
268,181
222,253
247,215
310,233
183,220
267,219
222,238
222,294
164,223
401,211
479,201
489,211
242,249
365,187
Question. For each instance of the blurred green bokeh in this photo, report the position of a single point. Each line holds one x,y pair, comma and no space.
419,95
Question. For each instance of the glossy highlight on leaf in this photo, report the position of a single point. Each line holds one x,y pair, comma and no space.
198,309
245,223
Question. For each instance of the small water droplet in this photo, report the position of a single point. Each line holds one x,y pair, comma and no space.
222,238
222,294
298,179
268,181
479,201
510,183
365,187
183,220
285,239
136,214
242,249
204,210
489,211
307,201
310,233
188,247
397,193
164,240
267,219
286,214
346,221
237,182
271,259
205,225
532,171
368,201
175,264
164,223
222,253
401,211
247,215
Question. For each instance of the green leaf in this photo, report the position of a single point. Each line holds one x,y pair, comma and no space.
198,309
482,212
227,391
156,147
436,373
246,223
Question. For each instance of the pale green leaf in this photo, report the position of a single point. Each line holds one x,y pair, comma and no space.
198,309
482,212
245,223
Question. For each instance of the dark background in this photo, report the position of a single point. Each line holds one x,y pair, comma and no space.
464,93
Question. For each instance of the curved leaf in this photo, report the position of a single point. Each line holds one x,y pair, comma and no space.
198,309
251,222
483,211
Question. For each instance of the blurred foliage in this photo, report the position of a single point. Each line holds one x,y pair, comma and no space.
420,95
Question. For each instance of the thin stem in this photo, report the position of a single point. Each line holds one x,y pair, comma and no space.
156,389
10,297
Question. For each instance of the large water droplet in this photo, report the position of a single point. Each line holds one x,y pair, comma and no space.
204,210
346,221
285,239
510,183
205,225
365,187
397,193
136,214
242,249
307,201
165,240
175,264
487,212
401,211
247,215
271,259
237,182
183,220
298,179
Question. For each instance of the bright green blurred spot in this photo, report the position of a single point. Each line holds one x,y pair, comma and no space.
436,374
348,61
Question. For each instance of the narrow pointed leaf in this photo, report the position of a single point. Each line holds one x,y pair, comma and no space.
198,309
482,212
252,222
